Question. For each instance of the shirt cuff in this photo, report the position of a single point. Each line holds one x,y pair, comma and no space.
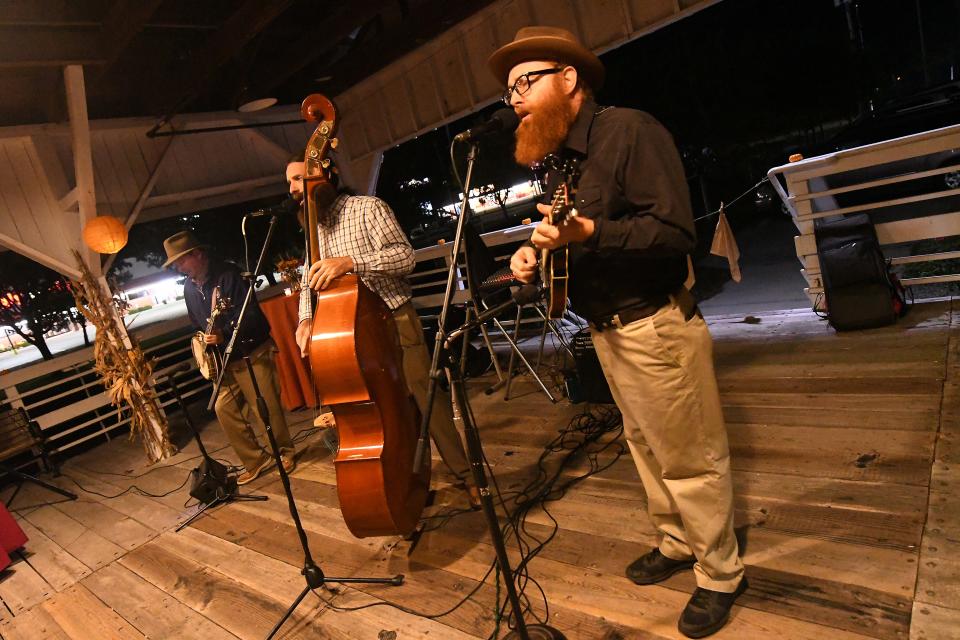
362,265
593,242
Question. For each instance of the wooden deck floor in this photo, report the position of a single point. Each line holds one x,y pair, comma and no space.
846,498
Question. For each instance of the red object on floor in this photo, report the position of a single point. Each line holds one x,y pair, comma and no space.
12,536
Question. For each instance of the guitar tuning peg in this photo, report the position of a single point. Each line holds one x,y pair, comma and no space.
325,163
334,142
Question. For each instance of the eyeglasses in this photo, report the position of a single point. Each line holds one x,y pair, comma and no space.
522,84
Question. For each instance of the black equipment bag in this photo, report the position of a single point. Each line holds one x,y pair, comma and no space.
860,291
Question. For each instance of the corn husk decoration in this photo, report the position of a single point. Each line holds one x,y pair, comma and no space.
125,371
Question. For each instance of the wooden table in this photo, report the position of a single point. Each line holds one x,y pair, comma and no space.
296,386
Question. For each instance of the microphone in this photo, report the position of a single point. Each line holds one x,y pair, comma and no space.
504,119
288,205
524,295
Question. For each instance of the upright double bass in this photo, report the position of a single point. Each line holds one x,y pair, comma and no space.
356,361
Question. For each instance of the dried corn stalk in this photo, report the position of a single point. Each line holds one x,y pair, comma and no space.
126,373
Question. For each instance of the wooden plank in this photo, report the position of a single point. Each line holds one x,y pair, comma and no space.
242,612
908,387
938,582
277,539
825,416
22,587
86,546
112,192
110,524
930,622
150,610
901,457
57,567
35,624
147,511
82,154
82,615
22,218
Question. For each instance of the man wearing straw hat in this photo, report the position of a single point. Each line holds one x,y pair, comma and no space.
208,279
628,247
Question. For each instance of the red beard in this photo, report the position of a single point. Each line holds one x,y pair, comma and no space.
544,130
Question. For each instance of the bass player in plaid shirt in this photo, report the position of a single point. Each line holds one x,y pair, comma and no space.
361,235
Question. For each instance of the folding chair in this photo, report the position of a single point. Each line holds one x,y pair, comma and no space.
490,287
18,434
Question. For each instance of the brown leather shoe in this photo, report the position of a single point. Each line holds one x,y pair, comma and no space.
251,475
289,464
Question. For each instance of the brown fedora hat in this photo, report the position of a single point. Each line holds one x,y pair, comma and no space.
180,244
547,43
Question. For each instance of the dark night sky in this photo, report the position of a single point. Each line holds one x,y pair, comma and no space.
750,80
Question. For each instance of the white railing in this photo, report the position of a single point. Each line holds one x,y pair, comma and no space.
906,185
67,400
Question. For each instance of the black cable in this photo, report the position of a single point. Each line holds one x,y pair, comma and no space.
134,488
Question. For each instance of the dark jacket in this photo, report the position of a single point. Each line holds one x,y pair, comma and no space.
255,330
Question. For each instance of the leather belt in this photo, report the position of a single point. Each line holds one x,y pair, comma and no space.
630,314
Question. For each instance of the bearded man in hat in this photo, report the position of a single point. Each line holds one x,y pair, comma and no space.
628,262
209,280
361,235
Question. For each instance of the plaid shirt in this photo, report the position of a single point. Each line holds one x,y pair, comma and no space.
366,229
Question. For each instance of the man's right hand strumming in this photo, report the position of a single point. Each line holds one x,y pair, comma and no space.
523,264
303,337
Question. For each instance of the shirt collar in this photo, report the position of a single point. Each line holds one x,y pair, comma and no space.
580,129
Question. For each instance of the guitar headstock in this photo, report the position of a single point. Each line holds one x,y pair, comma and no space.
563,197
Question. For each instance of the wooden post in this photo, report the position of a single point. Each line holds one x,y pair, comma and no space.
82,157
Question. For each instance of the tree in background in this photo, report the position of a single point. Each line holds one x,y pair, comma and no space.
34,296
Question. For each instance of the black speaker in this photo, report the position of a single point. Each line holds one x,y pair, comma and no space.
588,383
211,481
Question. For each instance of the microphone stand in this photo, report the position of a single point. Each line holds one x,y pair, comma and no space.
311,572
212,483
462,415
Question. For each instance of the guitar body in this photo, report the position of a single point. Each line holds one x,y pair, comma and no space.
555,263
356,359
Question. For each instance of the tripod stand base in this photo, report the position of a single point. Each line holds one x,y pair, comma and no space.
537,632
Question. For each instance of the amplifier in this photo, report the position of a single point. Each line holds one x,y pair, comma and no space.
587,383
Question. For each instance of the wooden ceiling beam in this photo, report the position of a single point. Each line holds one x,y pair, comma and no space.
316,41
121,24
42,47
243,25
420,24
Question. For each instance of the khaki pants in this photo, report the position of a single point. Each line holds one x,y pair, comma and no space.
236,408
660,371
416,369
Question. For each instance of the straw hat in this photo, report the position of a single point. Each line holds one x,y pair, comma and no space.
547,43
180,244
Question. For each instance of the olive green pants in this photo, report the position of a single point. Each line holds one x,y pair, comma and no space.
416,369
236,408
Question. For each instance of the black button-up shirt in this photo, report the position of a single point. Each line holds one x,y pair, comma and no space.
233,287
632,185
